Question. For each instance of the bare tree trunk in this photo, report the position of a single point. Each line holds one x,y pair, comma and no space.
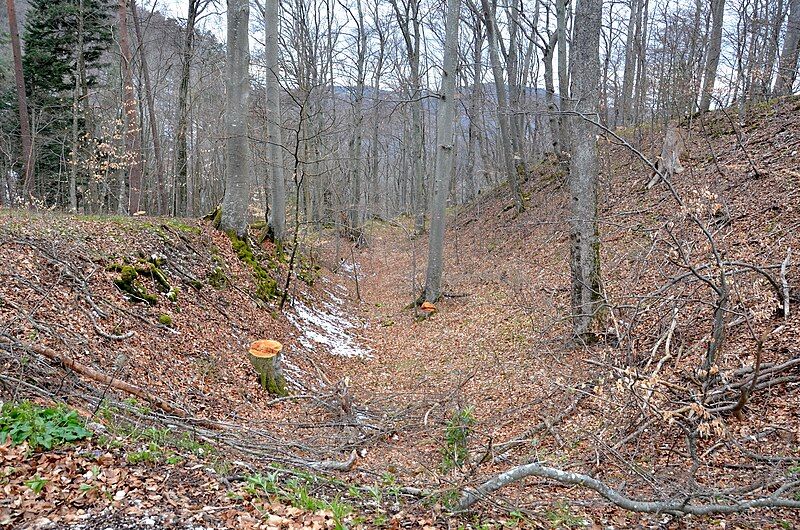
160,185
550,97
277,184
474,130
181,206
73,174
445,116
22,104
75,158
409,23
563,72
237,178
357,204
584,236
634,31
787,68
714,50
515,169
131,116
773,40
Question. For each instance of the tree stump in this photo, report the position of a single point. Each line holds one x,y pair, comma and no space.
266,359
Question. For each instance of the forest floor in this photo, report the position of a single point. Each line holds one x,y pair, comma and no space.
429,403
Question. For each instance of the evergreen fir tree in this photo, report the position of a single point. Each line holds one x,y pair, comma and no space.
51,67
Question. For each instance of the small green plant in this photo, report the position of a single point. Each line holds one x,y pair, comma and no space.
340,512
258,483
36,484
165,320
149,454
43,427
456,436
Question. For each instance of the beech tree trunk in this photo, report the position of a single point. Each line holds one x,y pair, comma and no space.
584,236
714,50
277,184
237,171
445,116
181,134
160,182
131,115
22,104
631,59
515,169
787,68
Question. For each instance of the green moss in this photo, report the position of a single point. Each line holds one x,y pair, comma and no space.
307,271
128,283
217,278
165,320
266,286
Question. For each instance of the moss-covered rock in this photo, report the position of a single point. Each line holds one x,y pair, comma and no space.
165,320
128,283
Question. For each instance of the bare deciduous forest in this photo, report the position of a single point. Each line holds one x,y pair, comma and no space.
382,264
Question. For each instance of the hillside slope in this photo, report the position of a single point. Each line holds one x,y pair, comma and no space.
620,409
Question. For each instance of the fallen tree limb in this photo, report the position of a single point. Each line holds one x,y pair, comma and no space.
100,377
335,465
672,506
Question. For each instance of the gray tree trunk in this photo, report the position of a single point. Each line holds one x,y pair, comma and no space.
584,236
160,183
515,169
787,68
357,204
563,72
22,104
277,184
445,116
714,50
130,113
181,206
634,31
474,130
237,177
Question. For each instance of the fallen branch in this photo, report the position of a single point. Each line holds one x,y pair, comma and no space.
672,506
100,377
335,465
785,283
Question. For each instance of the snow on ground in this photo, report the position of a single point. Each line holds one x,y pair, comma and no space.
327,325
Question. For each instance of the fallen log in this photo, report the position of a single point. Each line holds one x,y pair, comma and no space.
100,377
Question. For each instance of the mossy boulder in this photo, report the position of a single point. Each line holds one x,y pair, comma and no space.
128,283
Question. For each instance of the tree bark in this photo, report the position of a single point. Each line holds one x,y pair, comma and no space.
357,204
22,104
237,177
160,186
787,67
584,236
634,30
181,206
563,72
131,115
515,169
409,23
277,184
714,50
445,116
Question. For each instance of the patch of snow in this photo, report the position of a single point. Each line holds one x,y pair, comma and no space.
326,326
